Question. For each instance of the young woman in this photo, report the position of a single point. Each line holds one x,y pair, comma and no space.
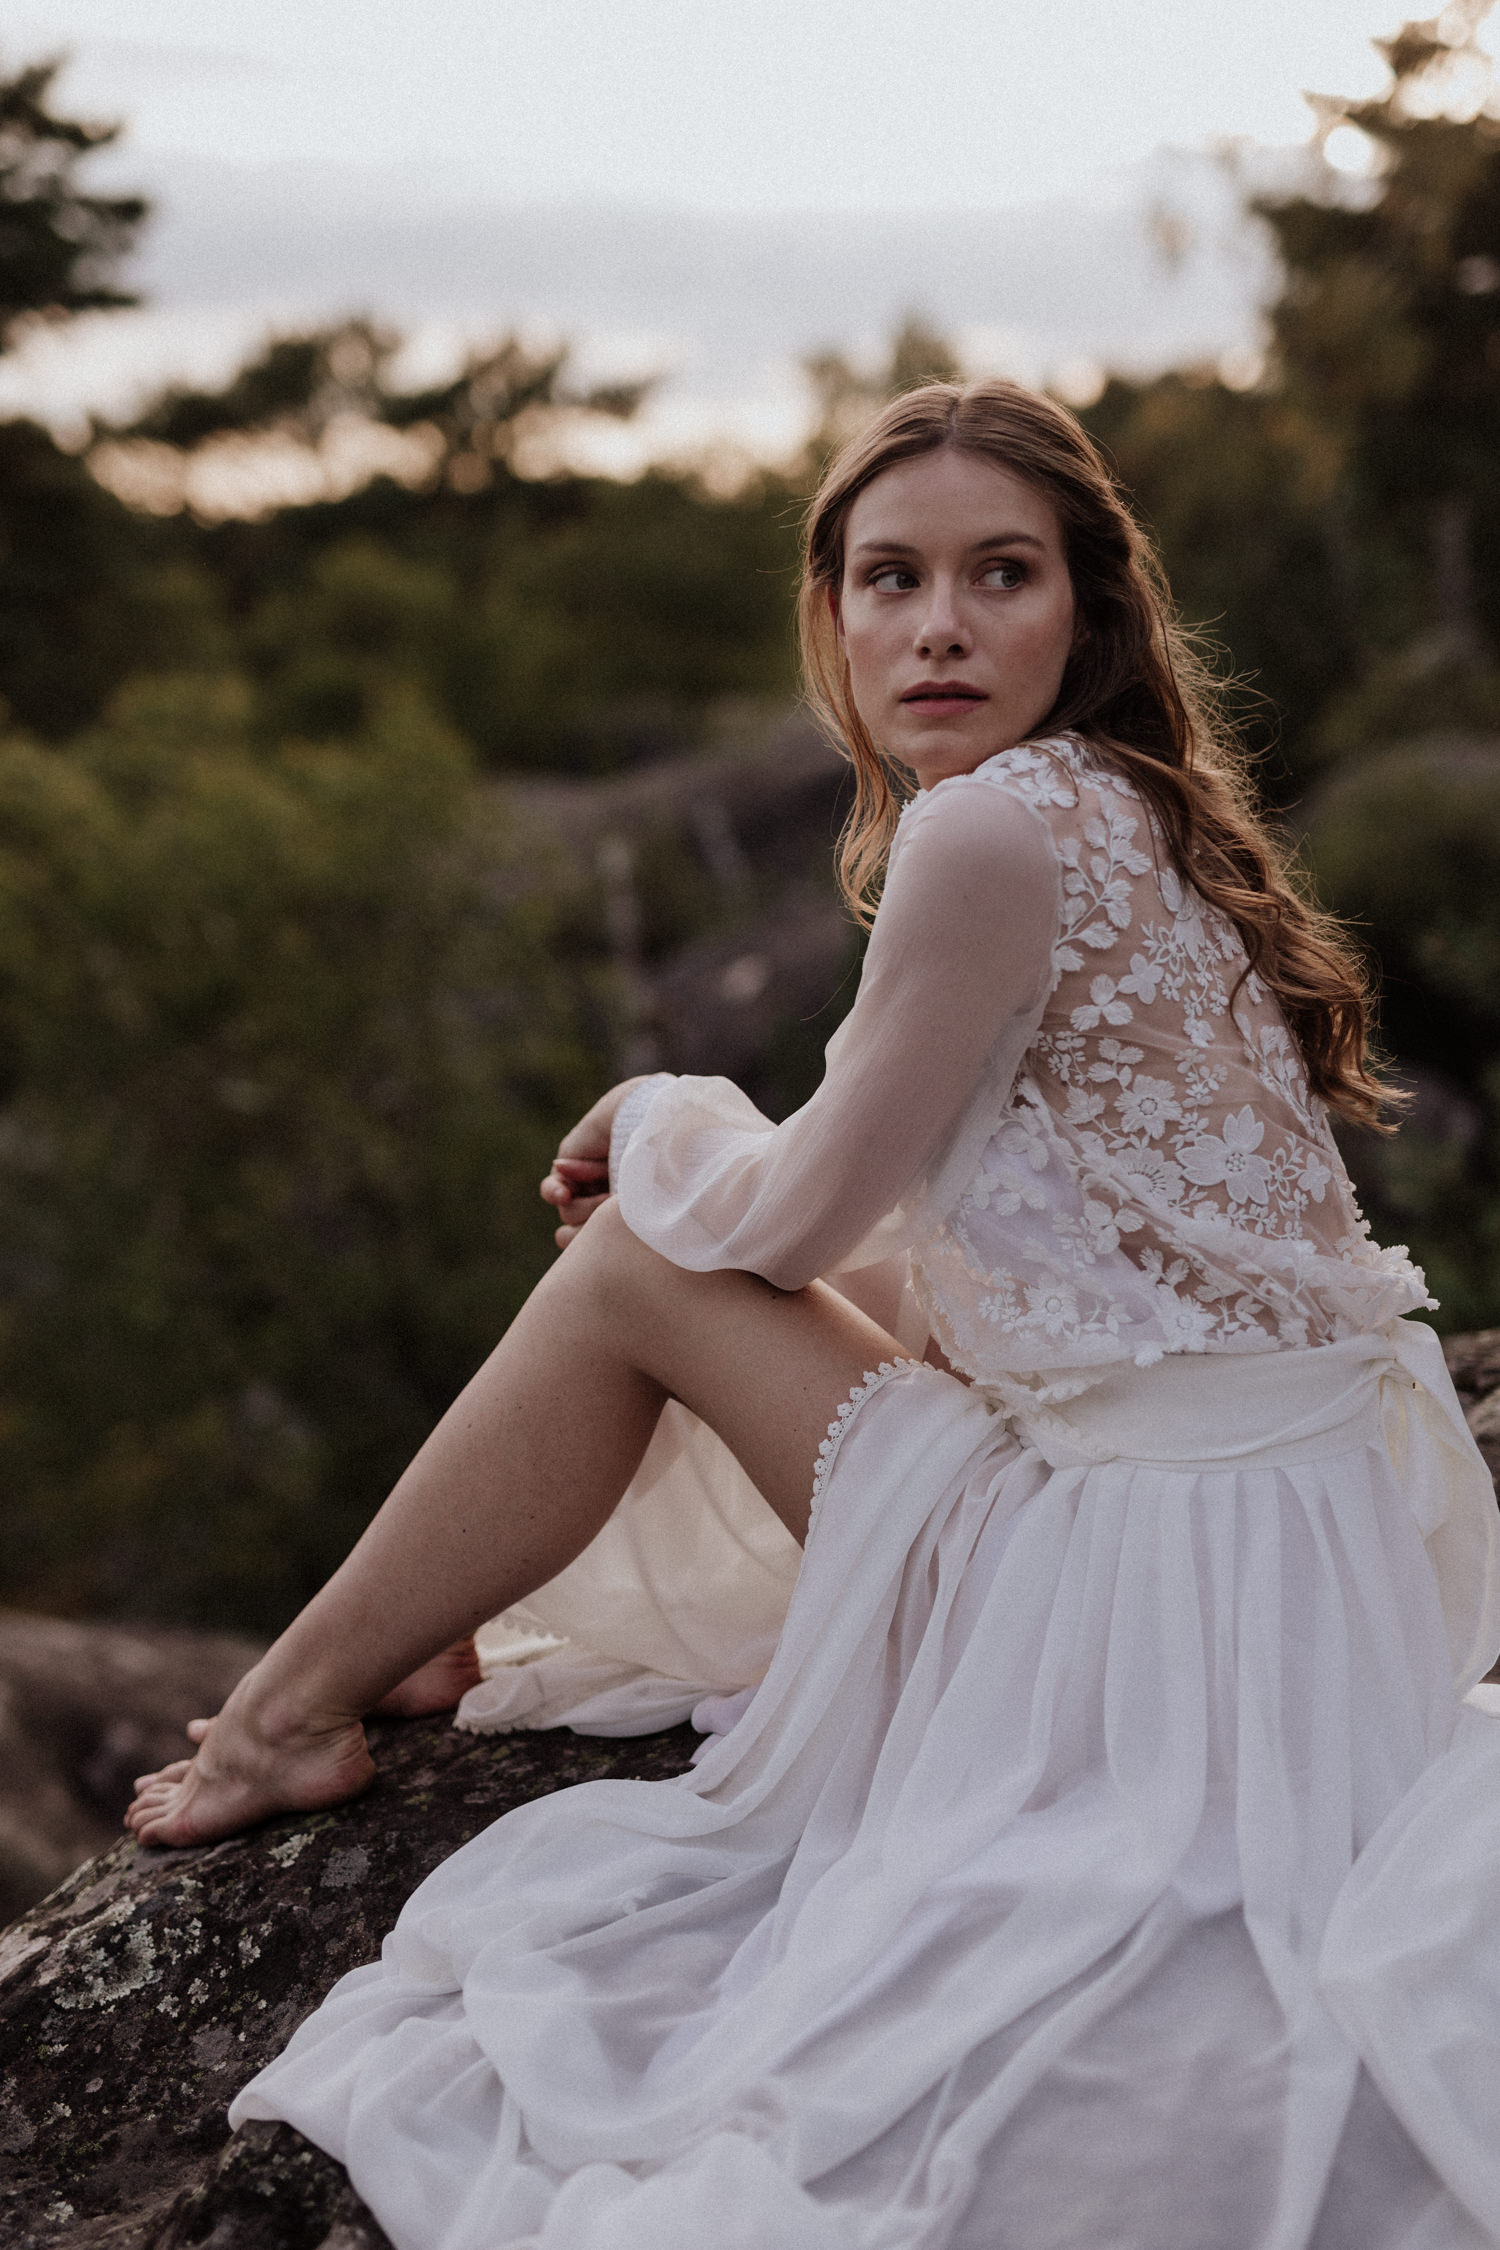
1104,1859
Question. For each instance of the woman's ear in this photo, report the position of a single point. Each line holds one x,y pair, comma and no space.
835,613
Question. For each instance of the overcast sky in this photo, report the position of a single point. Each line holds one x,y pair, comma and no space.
706,186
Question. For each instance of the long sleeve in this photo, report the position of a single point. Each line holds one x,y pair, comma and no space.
955,979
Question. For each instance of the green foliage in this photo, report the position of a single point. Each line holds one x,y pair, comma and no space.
472,426
70,555
1407,845
294,387
847,396
1387,338
613,630
1338,529
1342,519
1419,690
1389,325
576,625
72,562
286,1051
1238,489
362,619
58,245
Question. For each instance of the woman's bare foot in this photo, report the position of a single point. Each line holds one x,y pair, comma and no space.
435,1686
245,1771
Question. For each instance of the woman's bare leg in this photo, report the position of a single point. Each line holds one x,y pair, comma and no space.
513,1483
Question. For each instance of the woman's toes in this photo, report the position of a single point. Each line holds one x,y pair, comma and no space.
238,1779
167,1774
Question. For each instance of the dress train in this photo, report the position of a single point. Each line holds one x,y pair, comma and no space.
1104,1859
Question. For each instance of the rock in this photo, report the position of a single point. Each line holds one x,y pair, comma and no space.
136,1999
727,931
272,2190
83,1710
1474,1364
140,1996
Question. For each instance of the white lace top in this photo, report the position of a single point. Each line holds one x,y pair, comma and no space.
1050,1096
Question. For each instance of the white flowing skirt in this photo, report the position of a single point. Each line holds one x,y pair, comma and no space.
1106,1863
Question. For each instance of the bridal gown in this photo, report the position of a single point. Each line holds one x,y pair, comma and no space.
1107,1858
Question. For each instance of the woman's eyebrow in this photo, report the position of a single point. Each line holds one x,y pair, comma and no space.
992,539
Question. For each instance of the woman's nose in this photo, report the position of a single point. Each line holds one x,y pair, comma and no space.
940,630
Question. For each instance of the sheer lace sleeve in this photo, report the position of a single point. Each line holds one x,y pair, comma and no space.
955,980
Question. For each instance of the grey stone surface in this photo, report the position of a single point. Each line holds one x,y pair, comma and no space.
83,1710
1474,1364
139,1996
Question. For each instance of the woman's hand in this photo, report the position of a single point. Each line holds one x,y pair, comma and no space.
578,1183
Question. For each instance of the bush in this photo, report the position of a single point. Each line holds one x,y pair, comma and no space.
284,1048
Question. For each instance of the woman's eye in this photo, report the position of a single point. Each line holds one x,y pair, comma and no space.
1006,575
894,579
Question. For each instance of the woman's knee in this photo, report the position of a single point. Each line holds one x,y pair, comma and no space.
641,1302
621,1271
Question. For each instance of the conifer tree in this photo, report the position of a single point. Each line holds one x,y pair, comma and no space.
60,247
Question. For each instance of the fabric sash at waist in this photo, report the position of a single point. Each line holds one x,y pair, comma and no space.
1210,1412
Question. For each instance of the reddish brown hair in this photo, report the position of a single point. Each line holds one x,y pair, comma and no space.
1134,687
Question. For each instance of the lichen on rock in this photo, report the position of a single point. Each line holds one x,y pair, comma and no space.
144,1992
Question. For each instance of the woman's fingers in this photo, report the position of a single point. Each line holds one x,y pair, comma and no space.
576,1186
572,1176
588,1140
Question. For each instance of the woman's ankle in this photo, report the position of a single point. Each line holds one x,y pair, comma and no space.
279,1711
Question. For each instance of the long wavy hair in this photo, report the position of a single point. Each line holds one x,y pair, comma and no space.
1134,687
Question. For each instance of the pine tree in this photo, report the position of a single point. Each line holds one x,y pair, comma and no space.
59,247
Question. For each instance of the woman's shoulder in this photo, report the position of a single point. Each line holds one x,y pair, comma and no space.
1056,787
1063,773
963,834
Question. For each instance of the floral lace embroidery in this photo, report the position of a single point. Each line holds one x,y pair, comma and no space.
1158,1129
828,1451
1161,1126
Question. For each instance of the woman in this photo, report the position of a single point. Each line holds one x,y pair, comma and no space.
1103,1859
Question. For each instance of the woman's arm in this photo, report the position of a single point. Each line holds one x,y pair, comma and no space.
957,973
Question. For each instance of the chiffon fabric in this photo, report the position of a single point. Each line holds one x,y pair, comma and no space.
1105,1859
677,1603
1106,1856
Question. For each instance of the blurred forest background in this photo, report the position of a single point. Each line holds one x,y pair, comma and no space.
347,850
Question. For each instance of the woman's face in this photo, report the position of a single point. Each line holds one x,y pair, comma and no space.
956,610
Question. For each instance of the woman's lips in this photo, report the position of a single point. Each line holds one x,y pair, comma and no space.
943,698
